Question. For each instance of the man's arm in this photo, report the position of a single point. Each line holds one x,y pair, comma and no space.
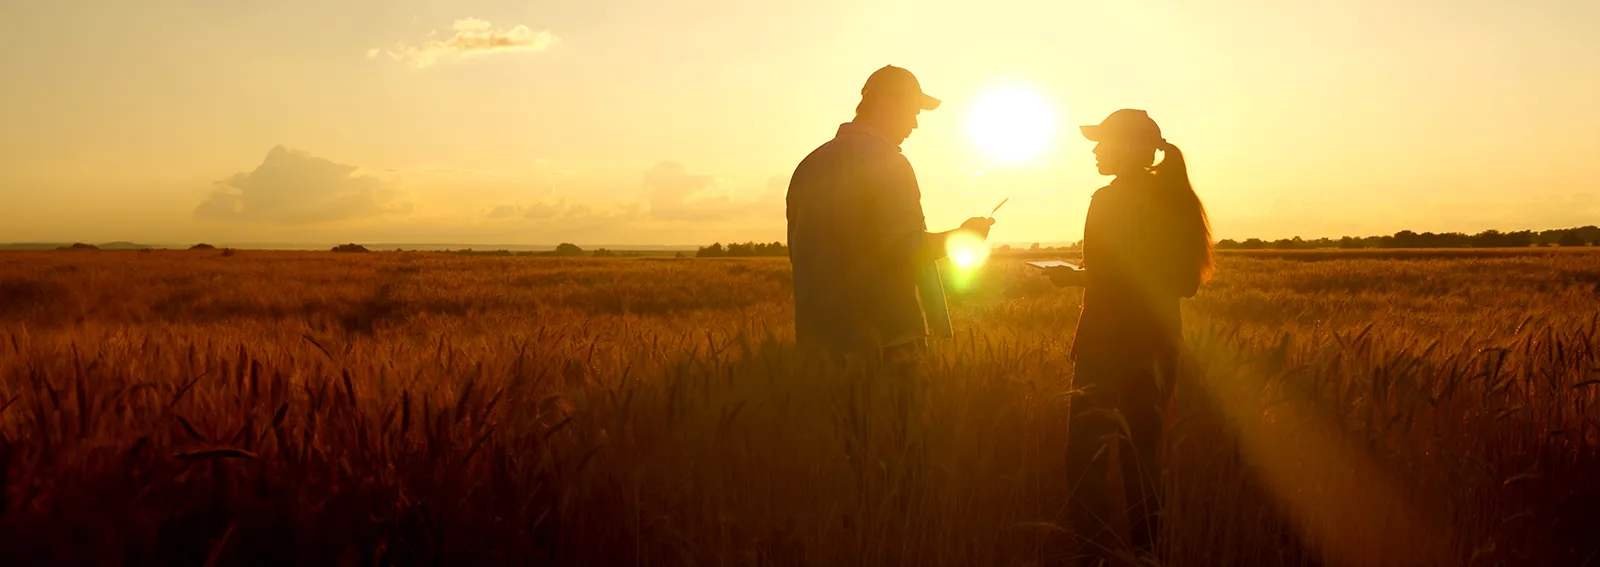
936,245
903,228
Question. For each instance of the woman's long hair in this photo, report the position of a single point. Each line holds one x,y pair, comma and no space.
1194,232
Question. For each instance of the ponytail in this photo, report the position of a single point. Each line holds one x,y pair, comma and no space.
1172,174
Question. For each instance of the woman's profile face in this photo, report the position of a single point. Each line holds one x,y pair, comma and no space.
1115,158
1109,157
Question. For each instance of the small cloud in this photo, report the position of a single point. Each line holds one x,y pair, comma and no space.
545,210
373,53
670,183
539,210
778,184
559,211
469,37
503,212
675,194
294,187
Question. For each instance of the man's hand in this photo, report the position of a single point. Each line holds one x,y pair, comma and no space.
1063,276
979,225
936,244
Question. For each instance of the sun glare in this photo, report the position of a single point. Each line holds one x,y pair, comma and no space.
1011,123
966,251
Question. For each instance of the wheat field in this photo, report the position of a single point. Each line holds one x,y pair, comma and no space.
282,408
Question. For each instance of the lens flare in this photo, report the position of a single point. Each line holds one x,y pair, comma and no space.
966,251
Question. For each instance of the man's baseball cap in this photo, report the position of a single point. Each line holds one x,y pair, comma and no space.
1127,126
895,84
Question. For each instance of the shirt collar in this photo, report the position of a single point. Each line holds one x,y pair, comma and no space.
1132,180
859,129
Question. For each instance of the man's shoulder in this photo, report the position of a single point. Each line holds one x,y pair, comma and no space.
828,150
850,150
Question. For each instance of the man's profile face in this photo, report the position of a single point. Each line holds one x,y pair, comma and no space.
901,123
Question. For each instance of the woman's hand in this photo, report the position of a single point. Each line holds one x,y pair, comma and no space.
1063,276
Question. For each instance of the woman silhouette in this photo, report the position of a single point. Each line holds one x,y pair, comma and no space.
1146,244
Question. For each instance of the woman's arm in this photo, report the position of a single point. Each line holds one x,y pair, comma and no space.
1063,276
1068,277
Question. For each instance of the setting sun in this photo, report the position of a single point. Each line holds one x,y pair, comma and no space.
1011,123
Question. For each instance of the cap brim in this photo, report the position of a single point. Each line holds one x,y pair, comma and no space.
929,103
1091,132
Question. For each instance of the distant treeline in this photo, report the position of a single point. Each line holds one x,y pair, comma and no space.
565,249
1581,236
1038,250
742,250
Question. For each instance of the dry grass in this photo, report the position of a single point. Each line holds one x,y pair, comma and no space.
187,408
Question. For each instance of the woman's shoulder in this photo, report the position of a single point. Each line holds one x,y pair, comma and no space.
1125,185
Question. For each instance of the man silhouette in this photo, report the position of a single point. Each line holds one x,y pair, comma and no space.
863,259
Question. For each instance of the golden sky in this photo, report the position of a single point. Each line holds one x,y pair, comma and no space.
651,122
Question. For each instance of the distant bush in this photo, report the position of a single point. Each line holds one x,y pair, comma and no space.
568,249
202,246
226,252
352,247
79,246
603,253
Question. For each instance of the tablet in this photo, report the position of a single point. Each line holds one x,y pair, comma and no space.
1054,264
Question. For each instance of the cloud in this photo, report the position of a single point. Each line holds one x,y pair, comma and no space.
676,203
539,210
470,37
503,212
546,210
294,187
560,210
675,194
778,183
670,187
373,53
556,220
